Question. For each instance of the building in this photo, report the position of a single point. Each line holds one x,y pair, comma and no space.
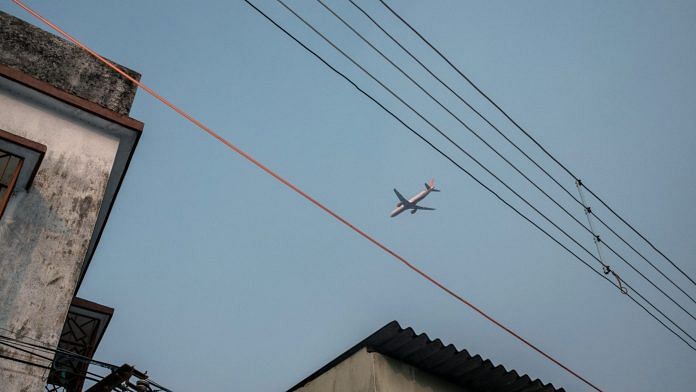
66,141
394,359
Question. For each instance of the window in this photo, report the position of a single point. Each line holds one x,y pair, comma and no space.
20,159
10,166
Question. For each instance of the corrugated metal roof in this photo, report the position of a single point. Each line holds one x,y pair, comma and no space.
445,361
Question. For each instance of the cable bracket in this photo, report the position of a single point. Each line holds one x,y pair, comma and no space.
597,239
622,288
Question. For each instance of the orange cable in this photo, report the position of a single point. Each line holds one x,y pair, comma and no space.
301,192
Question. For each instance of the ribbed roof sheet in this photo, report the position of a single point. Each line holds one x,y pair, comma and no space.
445,361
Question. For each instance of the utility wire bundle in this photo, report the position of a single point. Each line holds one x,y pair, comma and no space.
27,352
605,271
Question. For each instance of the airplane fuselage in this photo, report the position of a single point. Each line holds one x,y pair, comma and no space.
401,207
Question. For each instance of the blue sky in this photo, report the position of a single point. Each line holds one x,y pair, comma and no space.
223,279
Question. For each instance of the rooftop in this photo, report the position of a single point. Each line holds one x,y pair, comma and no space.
445,361
51,59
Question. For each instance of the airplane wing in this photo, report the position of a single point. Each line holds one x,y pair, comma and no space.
417,207
402,199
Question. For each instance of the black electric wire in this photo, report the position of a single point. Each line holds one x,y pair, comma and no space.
480,138
25,362
69,354
464,101
439,103
53,367
43,346
30,363
532,160
646,278
434,127
637,232
641,255
442,133
570,173
26,351
442,153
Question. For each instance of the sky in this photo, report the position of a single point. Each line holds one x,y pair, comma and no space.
223,279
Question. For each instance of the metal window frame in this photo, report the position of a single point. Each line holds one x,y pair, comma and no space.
25,149
30,155
5,200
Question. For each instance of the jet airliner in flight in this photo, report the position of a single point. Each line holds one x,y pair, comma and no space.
411,204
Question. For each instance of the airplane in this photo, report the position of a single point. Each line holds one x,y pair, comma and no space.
411,204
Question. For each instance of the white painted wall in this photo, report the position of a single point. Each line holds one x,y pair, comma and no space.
374,372
45,232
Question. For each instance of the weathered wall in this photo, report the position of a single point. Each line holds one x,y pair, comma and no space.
374,372
354,374
63,65
45,231
396,376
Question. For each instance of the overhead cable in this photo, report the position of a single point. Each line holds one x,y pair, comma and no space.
438,130
532,160
464,101
304,194
46,348
504,113
46,367
590,230
52,367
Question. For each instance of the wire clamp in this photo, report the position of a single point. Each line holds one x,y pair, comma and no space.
597,239
578,182
588,210
621,287
607,270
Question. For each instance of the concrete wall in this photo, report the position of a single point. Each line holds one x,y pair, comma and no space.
63,65
354,374
45,232
393,376
374,372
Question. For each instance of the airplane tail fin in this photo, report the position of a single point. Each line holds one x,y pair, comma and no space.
431,186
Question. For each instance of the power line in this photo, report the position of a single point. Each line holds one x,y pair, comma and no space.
58,350
52,367
25,362
46,367
2,341
39,345
258,164
302,193
46,347
638,233
439,103
464,101
570,173
34,364
427,121
437,129
68,354
532,160
480,138
641,255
